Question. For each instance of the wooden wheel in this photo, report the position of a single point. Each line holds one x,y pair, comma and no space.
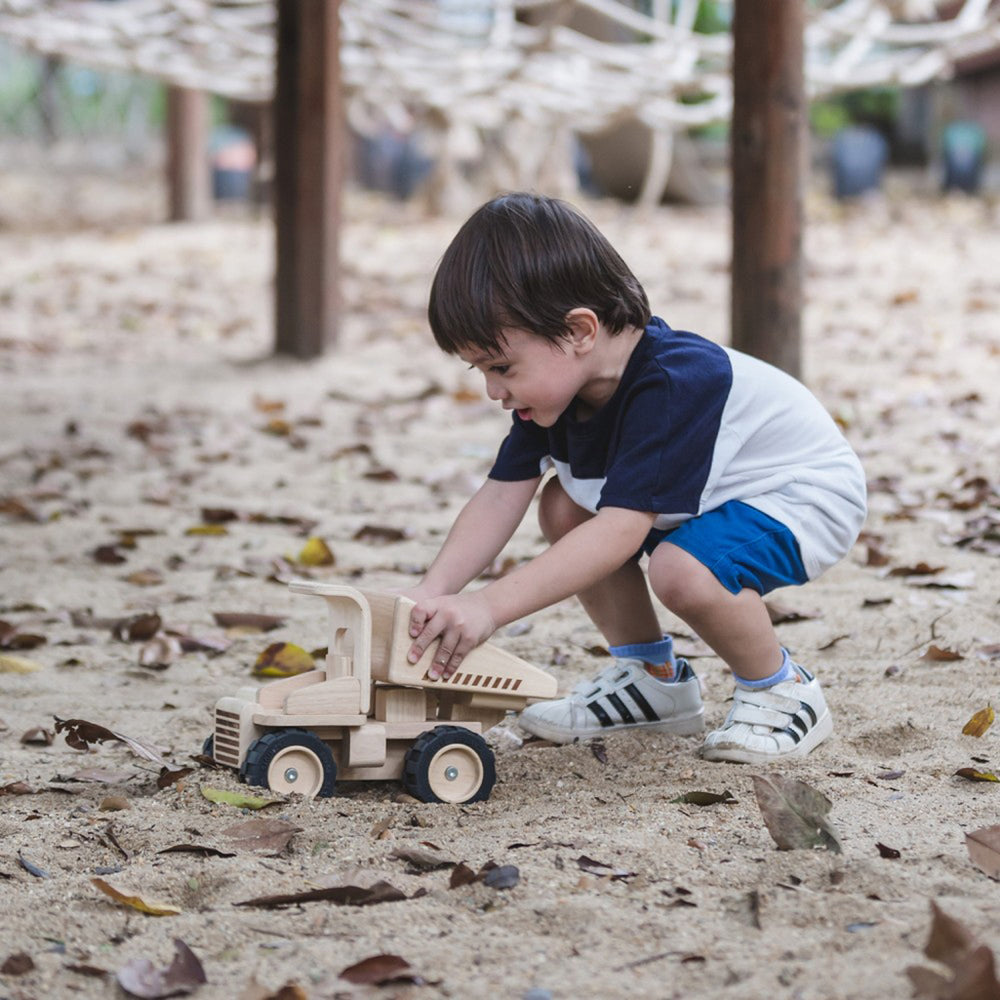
449,764
291,760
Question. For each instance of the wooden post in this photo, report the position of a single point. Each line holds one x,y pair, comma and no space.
187,155
309,135
768,148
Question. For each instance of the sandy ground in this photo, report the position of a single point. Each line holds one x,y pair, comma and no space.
138,391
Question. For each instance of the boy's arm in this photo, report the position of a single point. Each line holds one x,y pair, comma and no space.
481,530
579,559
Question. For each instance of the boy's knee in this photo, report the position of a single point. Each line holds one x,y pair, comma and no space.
557,513
681,583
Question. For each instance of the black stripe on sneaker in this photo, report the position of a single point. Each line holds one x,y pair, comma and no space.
793,733
808,708
796,721
624,714
644,706
602,716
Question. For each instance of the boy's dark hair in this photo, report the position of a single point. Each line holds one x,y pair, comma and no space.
523,261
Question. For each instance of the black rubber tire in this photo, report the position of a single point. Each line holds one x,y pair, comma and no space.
208,747
262,753
465,749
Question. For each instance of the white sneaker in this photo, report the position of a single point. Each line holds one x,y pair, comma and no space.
622,696
766,724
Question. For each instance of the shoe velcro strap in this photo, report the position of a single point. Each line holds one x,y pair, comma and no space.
766,699
609,679
757,715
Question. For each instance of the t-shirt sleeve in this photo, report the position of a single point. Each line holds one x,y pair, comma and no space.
666,438
521,453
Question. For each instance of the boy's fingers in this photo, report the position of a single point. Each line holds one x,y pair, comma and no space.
450,653
418,618
424,638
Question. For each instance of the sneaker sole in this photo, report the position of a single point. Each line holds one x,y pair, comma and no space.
741,755
689,726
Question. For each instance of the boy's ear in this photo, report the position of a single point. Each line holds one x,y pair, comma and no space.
583,327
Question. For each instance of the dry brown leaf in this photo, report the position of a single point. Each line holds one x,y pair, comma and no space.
159,652
935,654
17,964
795,813
136,902
919,569
971,964
141,978
261,835
37,736
984,849
972,774
137,628
283,659
80,734
316,553
207,530
17,664
345,895
378,970
980,722
420,859
377,534
248,621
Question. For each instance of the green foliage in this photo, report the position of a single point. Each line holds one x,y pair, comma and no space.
871,106
828,117
713,18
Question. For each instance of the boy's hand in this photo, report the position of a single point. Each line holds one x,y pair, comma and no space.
462,621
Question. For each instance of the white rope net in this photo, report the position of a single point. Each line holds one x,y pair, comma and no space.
479,65
582,61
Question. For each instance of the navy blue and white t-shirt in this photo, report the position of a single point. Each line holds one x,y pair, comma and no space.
693,425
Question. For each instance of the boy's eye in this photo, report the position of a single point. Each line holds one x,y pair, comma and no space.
500,369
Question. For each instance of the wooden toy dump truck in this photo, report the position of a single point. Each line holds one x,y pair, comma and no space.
373,715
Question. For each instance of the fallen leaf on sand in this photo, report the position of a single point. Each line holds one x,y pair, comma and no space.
136,902
316,553
17,664
971,964
239,799
935,654
283,659
972,774
984,849
185,974
261,835
979,722
379,970
345,895
795,813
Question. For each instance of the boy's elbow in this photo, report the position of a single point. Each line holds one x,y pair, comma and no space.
625,530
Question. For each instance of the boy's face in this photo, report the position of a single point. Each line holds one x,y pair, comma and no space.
535,377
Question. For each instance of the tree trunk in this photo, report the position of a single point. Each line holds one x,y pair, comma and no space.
309,136
768,144
187,155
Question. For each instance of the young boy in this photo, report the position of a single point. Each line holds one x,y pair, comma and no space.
727,472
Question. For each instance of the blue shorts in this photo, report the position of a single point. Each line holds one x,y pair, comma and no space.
742,546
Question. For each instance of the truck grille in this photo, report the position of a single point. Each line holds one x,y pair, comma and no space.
227,738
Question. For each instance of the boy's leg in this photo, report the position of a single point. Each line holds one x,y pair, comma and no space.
619,605
646,687
778,707
736,626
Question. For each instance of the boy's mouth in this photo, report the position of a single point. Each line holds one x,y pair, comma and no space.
524,414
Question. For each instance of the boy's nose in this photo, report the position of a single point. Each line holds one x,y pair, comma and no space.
494,389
